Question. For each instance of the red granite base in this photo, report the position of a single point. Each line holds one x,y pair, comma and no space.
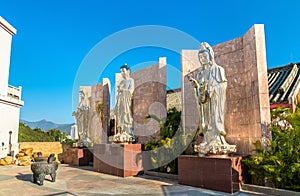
214,173
118,159
78,156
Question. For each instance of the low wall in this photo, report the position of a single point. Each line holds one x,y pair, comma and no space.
46,148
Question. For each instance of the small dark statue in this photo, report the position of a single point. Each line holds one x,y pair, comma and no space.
42,168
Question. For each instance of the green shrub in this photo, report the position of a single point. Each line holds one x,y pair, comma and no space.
280,165
26,134
173,142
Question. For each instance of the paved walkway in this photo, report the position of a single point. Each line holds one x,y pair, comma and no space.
17,180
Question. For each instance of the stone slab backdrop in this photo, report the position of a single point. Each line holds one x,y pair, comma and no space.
247,98
149,98
98,122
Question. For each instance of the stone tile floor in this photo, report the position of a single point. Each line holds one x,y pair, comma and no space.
17,180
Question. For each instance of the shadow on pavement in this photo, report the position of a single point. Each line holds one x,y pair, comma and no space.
24,177
62,193
87,168
29,178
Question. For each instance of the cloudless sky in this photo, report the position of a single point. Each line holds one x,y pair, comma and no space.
54,36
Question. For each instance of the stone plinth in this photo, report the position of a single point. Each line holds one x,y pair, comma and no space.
118,159
215,173
78,156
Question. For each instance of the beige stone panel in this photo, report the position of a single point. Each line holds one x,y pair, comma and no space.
248,91
249,36
255,102
265,114
229,59
149,98
230,84
236,93
245,107
263,87
189,61
236,67
244,131
98,125
232,106
261,49
264,98
235,81
257,115
228,47
256,132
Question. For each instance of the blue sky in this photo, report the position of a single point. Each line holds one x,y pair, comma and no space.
54,38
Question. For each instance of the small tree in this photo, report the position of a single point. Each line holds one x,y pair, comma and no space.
57,135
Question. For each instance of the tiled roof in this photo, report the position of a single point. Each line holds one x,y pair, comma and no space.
283,83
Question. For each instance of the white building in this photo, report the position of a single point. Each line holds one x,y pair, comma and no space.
74,132
10,97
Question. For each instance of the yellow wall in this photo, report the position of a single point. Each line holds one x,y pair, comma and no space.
45,147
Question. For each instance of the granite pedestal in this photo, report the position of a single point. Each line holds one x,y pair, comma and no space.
122,160
78,156
215,173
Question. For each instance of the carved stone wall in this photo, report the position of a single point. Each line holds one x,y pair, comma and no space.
247,99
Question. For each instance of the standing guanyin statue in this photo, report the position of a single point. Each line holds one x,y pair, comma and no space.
210,91
123,108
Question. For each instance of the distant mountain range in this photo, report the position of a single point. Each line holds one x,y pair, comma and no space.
46,125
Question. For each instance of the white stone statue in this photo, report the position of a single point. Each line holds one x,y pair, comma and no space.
210,90
123,107
82,118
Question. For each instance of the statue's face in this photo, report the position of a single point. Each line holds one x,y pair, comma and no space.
81,95
124,72
204,58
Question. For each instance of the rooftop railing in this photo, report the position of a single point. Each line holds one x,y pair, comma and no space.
14,92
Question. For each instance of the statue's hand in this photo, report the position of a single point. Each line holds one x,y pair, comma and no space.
119,89
193,82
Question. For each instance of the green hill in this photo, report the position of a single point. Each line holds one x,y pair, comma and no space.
26,134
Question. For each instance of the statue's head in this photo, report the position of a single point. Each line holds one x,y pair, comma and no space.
206,53
125,70
82,94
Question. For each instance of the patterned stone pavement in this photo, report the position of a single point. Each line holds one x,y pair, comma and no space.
17,180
